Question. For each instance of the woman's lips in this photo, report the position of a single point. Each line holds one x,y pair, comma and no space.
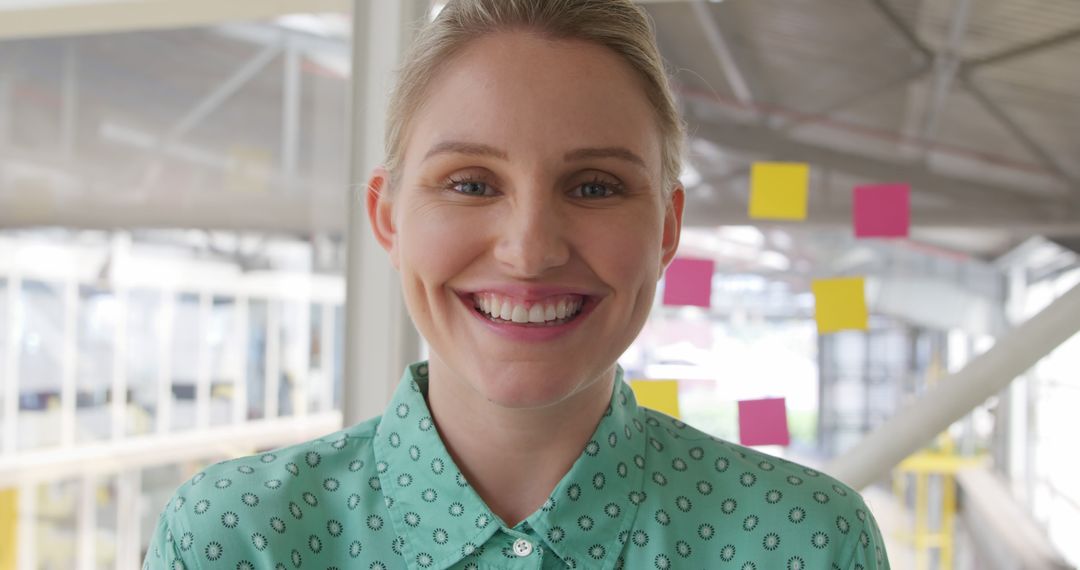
530,332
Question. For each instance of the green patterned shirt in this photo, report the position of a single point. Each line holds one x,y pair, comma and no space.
647,492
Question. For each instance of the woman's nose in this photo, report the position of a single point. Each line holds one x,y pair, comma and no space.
531,239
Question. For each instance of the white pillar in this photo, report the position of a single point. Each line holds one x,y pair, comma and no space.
920,421
379,337
28,523
86,523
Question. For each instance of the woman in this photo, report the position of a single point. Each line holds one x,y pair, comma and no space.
530,203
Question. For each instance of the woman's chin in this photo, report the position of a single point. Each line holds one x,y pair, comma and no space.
525,391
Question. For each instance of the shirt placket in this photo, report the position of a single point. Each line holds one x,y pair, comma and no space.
513,549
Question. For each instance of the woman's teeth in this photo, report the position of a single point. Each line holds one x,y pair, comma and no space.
550,311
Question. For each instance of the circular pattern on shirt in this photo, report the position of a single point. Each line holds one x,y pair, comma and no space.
440,536
202,506
597,552
277,524
797,515
556,534
412,519
258,540
706,531
612,510
842,525
230,519
334,528
771,541
683,549
456,509
213,551
186,540
819,540
750,523
250,499
640,538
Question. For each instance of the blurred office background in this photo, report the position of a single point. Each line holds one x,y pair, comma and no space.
179,234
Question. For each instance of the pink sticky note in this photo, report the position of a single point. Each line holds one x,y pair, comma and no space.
689,282
763,422
882,210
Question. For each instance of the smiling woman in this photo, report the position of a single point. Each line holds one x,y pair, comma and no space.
530,203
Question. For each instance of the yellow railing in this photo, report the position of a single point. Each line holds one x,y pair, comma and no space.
942,463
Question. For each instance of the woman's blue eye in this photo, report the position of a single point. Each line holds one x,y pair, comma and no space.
470,188
588,190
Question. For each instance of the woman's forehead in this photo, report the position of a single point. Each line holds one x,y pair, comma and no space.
520,92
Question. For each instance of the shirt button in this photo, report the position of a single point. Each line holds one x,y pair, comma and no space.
522,547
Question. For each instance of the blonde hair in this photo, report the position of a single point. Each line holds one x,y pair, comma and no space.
616,24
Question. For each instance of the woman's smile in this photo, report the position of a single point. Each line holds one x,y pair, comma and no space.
529,321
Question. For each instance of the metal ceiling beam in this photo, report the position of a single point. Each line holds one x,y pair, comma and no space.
1022,50
735,77
762,141
897,21
75,17
946,65
1020,134
712,213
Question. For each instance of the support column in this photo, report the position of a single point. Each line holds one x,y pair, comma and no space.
380,339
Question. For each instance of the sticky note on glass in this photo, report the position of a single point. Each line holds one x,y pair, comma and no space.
882,210
660,395
763,422
778,190
840,304
689,282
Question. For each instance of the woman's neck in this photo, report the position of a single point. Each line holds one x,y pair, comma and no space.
513,458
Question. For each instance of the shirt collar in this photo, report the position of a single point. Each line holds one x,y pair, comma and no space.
582,520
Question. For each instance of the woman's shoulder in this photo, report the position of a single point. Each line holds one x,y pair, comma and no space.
316,466
776,506
740,471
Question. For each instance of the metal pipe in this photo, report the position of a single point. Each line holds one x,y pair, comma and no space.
920,421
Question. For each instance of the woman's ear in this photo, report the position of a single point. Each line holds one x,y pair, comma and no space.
380,210
672,227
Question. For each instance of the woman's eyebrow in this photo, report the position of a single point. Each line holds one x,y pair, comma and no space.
619,152
480,149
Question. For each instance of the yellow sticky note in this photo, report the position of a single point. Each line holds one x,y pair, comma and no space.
778,190
9,522
660,395
840,304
